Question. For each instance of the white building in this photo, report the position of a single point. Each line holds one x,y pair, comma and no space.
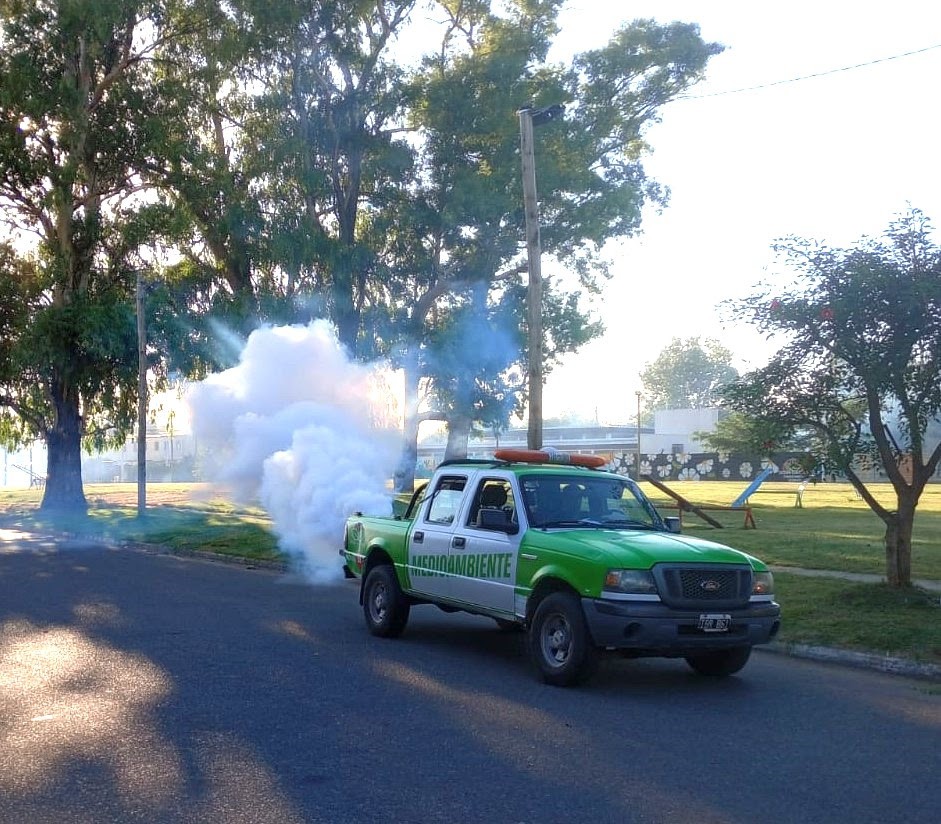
24,467
169,458
673,432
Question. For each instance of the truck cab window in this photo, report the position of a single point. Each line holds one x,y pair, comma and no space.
446,500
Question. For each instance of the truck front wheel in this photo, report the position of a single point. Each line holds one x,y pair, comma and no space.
385,606
559,641
719,662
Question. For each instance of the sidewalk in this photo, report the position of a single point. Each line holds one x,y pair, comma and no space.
862,577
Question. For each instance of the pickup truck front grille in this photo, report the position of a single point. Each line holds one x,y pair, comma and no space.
704,586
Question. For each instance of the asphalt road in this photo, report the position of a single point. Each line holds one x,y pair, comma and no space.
144,687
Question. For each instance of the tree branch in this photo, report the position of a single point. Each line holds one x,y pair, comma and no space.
877,429
33,420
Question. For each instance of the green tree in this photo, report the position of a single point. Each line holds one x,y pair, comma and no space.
469,359
332,158
210,162
468,201
688,374
474,360
862,364
75,105
202,162
738,432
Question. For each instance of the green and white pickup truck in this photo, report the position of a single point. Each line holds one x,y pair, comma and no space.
578,558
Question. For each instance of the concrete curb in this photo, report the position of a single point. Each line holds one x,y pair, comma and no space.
859,660
235,560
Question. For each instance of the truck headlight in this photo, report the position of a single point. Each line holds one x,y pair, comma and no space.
762,587
630,581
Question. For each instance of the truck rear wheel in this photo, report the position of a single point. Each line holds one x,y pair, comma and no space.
719,662
559,641
384,605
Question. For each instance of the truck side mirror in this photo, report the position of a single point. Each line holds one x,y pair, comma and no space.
673,524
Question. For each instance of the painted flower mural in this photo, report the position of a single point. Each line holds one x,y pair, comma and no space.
704,467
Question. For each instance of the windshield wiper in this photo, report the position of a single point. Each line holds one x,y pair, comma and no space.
567,522
620,523
591,523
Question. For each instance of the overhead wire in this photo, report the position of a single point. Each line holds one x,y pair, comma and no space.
810,76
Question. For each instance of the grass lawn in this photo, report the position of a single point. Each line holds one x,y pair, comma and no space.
833,530
180,516
862,617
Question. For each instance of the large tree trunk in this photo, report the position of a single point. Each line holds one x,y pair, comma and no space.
459,427
898,543
64,492
404,479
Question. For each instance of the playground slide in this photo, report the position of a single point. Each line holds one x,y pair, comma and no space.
759,480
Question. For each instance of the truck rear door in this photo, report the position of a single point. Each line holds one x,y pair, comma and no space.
432,536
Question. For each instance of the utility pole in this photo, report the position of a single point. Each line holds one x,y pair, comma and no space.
638,393
529,118
141,400
170,418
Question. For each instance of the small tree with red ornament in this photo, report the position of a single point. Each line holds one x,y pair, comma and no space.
859,363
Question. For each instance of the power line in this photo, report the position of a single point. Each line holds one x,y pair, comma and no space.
811,76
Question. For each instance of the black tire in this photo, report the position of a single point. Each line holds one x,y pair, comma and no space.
385,606
559,641
509,626
719,662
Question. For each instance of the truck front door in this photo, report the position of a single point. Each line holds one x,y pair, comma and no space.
432,536
485,547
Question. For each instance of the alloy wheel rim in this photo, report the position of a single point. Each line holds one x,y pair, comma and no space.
556,640
378,603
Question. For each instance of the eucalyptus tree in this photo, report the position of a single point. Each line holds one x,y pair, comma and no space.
76,104
464,104
860,367
332,100
201,158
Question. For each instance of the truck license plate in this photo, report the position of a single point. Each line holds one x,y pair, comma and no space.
714,622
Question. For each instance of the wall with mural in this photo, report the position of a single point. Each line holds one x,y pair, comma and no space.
709,466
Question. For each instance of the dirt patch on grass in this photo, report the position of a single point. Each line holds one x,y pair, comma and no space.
125,495
115,496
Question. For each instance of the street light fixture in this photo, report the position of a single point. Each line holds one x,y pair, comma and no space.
530,117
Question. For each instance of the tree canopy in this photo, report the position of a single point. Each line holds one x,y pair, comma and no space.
861,365
687,374
275,161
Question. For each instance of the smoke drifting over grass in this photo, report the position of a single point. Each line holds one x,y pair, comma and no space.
298,427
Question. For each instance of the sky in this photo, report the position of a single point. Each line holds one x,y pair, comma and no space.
833,158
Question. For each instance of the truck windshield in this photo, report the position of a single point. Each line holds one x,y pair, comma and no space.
586,502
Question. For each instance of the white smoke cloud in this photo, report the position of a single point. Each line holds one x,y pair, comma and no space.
303,430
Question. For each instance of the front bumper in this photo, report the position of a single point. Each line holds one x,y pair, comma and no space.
656,629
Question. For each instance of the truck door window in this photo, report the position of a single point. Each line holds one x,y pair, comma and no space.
493,494
446,500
